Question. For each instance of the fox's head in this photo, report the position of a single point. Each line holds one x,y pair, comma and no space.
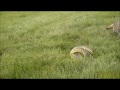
110,27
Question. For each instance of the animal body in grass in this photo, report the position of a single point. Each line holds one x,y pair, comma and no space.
115,27
80,51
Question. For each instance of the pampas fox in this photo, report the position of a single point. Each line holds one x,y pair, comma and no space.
115,27
80,51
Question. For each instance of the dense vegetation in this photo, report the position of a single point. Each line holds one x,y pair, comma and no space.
38,44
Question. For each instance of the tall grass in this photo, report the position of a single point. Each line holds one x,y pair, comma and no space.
37,44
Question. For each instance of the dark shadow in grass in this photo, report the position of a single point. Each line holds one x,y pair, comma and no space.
55,46
22,16
118,57
81,25
46,47
0,53
66,36
61,46
70,37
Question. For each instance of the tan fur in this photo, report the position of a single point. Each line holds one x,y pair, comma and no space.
115,27
80,51
110,26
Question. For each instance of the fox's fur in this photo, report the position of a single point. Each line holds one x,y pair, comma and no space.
80,51
115,27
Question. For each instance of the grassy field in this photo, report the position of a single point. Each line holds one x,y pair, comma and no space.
37,45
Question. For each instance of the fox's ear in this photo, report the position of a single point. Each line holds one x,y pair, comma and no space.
110,27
